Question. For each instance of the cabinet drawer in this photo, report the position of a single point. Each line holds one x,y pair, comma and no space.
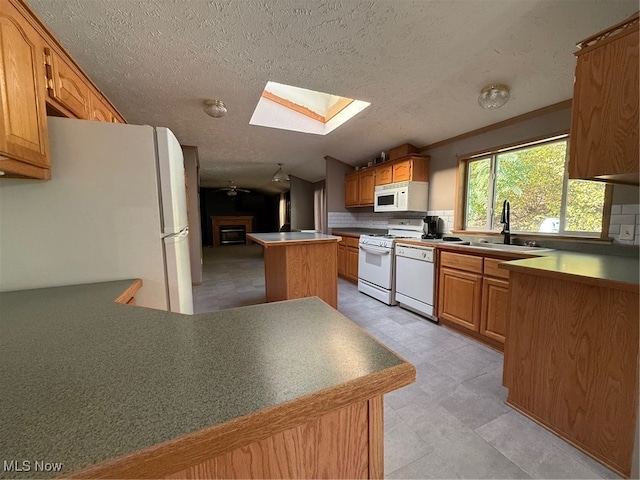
467,263
491,268
352,242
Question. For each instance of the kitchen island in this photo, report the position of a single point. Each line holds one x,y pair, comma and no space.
571,356
300,264
96,389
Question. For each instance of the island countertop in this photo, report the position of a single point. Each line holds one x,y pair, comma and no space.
86,380
290,238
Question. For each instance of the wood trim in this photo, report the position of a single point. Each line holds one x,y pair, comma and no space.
535,141
126,296
293,106
178,454
376,438
607,33
337,107
505,123
460,196
16,169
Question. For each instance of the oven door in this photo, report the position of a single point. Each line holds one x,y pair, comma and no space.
375,265
386,201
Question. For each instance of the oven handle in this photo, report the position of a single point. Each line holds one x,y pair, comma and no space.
375,251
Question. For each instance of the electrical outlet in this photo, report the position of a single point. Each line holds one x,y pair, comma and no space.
627,232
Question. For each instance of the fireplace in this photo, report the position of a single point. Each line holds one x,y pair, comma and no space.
231,230
230,234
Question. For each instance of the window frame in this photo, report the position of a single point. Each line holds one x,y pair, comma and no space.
461,193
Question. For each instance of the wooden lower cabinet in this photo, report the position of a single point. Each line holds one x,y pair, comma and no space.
348,258
495,303
346,443
473,293
459,297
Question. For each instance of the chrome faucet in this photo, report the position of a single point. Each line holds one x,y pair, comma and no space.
505,221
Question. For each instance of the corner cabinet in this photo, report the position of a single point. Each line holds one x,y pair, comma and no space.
24,143
604,126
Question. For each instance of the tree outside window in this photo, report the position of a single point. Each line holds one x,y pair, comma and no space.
534,179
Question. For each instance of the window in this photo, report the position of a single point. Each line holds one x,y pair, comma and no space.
533,177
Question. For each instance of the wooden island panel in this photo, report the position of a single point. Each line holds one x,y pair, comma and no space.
300,265
305,270
571,362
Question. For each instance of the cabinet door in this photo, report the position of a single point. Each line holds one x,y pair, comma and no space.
99,110
495,304
604,128
366,187
68,88
23,120
384,174
402,171
352,264
351,190
342,258
459,297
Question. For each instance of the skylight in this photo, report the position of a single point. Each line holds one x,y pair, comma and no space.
301,110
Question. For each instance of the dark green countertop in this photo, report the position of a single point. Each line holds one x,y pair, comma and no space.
85,379
603,270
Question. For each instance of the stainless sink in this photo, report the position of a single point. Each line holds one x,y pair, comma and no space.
501,247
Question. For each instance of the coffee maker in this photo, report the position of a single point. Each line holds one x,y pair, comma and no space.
432,227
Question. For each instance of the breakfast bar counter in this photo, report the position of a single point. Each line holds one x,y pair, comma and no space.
93,389
300,264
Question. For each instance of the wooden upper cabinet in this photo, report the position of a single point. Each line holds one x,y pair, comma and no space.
384,174
99,111
402,171
66,86
366,187
413,167
604,127
24,143
351,190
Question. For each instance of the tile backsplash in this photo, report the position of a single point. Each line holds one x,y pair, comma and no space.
620,215
625,215
380,220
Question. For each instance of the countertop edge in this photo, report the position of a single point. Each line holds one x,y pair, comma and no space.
130,292
197,447
587,280
301,241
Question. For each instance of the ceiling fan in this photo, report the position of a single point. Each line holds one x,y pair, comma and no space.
232,190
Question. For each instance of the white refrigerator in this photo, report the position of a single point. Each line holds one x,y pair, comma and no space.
115,208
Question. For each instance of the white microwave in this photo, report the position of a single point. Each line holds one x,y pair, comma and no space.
401,197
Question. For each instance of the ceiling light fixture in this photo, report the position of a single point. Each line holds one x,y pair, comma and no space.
214,108
280,175
494,96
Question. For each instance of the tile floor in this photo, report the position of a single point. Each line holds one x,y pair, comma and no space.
452,422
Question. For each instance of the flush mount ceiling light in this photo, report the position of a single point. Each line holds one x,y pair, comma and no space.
280,175
493,96
214,108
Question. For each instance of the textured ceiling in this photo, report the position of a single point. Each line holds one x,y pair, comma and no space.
421,64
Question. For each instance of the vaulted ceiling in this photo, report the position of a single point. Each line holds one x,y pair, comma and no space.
421,64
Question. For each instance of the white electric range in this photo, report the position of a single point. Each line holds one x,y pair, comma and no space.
376,265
